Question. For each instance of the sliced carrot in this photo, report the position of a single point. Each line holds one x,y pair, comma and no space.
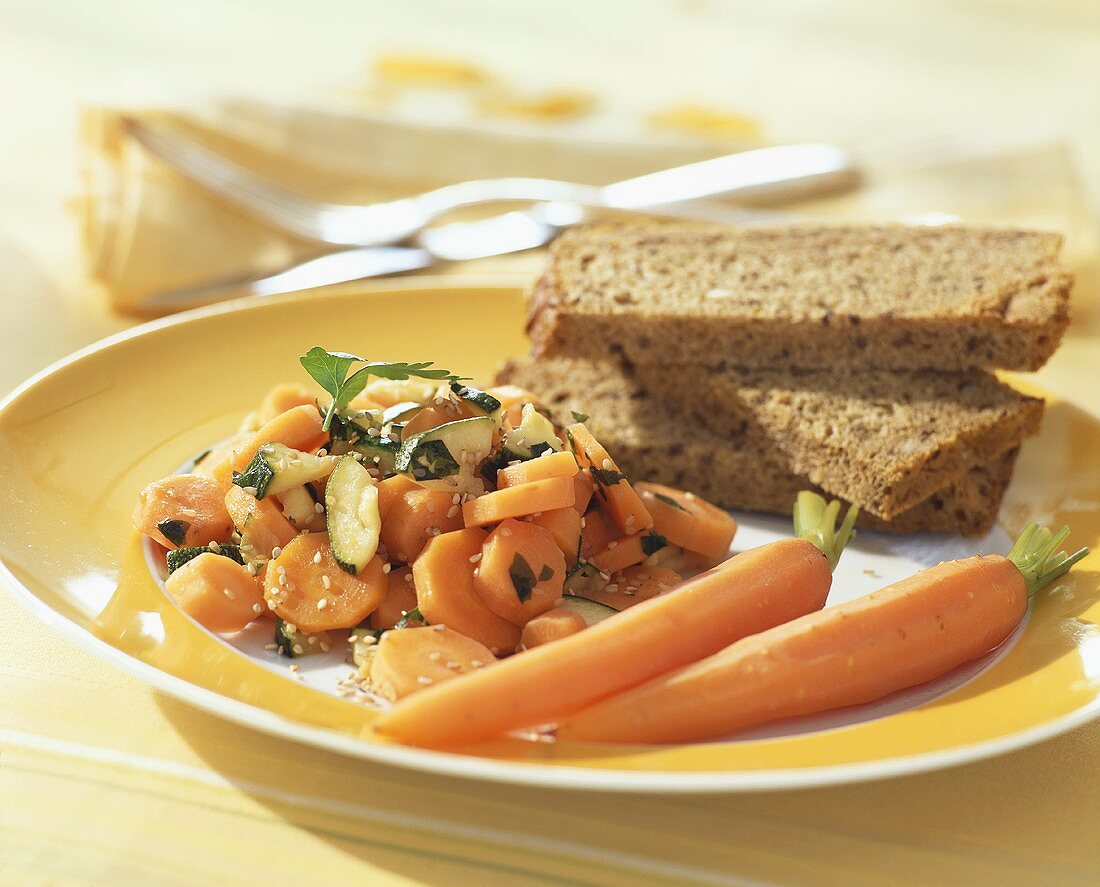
688,521
444,578
391,489
583,489
612,490
216,592
298,428
634,585
627,551
521,571
400,598
596,535
261,523
901,636
416,517
542,495
564,525
552,626
551,465
747,594
310,591
219,454
183,510
285,397
410,659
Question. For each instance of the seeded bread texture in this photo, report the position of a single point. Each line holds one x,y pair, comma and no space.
883,440
805,296
655,440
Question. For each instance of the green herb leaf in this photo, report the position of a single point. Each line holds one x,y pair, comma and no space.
607,478
413,615
578,417
329,369
175,531
523,578
547,574
668,500
653,542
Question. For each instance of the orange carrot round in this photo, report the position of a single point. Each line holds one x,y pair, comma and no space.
183,510
688,521
521,571
549,627
901,636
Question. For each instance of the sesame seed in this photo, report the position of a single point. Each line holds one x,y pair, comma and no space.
297,648
611,545
608,464
452,511
424,680
430,505
435,656
477,663
322,452
312,640
386,568
276,551
318,507
271,605
452,665
474,558
322,603
325,647
253,569
317,557
439,627
326,581
271,646
229,594
257,609
250,490
456,499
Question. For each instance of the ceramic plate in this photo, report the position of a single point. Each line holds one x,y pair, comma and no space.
80,440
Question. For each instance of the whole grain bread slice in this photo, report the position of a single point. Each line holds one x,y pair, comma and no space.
744,470
805,296
883,440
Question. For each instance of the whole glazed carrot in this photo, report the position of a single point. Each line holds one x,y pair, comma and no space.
900,636
750,592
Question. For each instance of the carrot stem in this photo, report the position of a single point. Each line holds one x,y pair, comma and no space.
1033,554
815,521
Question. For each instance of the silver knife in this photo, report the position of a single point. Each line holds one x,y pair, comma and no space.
460,241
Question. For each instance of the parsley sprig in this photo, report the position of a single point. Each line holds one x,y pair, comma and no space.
330,370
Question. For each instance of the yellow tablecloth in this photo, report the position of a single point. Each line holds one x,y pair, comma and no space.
103,781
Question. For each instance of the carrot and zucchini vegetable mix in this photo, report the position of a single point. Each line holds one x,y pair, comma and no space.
494,570
442,526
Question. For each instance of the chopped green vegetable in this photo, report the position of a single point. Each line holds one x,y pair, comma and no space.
330,370
815,521
653,542
1034,556
293,642
606,477
584,578
578,417
482,401
175,531
180,556
413,615
668,500
523,578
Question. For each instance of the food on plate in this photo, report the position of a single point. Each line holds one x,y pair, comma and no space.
427,520
804,296
752,591
751,468
898,637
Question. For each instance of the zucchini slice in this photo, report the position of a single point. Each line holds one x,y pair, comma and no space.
379,453
364,641
298,507
276,468
534,435
590,611
446,457
351,514
481,403
401,412
180,556
292,642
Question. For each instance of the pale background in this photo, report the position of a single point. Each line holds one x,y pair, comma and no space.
857,72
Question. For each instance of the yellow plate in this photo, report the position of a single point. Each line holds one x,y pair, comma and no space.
79,441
